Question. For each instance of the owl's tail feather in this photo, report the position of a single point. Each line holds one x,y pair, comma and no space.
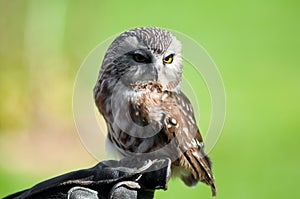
200,166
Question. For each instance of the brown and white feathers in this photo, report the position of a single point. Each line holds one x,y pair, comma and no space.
138,93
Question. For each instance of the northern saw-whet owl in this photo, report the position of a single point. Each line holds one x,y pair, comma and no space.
138,92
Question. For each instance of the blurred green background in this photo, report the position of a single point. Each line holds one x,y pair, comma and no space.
255,44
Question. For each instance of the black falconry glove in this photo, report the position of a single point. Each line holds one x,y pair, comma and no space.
129,178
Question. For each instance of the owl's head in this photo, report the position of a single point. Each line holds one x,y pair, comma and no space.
144,55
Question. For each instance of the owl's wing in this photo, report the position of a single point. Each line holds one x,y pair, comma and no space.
180,125
179,137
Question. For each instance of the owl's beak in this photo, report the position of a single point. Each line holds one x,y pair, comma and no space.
154,72
159,71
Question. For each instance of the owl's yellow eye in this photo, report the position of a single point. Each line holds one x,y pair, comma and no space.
139,58
168,59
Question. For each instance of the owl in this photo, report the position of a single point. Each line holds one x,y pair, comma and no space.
138,92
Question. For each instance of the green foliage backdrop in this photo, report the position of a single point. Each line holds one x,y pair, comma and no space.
255,44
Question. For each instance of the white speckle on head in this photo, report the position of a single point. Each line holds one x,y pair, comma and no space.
187,107
169,107
169,126
183,104
137,113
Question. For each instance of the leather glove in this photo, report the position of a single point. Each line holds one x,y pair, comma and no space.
133,177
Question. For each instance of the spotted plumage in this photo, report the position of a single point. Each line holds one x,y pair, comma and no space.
138,93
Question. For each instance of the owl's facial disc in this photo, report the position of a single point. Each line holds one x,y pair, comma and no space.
145,65
142,57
